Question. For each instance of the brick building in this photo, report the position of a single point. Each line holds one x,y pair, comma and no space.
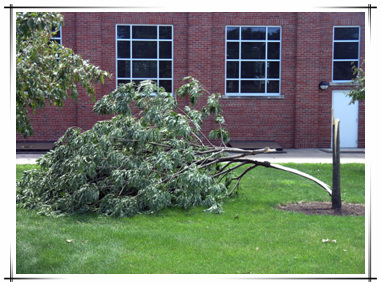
267,66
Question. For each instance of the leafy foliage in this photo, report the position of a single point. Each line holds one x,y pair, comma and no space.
129,165
47,72
358,92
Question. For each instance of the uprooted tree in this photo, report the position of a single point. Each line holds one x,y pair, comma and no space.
141,163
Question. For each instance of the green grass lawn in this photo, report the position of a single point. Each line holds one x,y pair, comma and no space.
250,236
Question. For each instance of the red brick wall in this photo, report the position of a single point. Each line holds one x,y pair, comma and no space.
327,22
300,118
251,118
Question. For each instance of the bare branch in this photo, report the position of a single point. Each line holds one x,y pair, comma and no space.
297,172
229,170
241,158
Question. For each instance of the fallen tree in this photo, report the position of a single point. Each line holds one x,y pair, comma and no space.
142,163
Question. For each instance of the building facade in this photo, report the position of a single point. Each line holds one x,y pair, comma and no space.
267,66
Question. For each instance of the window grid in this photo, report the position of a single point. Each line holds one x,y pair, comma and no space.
58,39
132,59
240,60
334,60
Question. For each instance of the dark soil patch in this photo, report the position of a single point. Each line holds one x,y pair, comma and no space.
325,208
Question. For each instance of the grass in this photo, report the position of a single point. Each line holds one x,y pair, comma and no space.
250,236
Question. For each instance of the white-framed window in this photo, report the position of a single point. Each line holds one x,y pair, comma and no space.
57,36
144,52
346,52
253,60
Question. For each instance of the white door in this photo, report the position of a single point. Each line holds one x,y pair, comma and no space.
348,115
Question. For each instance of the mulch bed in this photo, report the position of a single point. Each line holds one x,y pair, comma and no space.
325,208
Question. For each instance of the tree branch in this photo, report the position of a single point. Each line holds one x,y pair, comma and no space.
229,170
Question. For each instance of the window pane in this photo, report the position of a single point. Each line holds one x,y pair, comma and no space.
167,84
124,49
144,32
346,51
253,70
165,69
165,50
273,86
57,41
273,51
57,32
165,32
123,32
137,81
346,33
232,33
144,50
232,69
272,69
123,81
253,51
124,69
232,50
232,86
144,69
253,60
253,33
253,86
274,33
343,70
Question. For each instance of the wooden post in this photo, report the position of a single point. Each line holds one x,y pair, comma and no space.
336,193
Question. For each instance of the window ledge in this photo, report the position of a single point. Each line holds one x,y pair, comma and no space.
338,83
252,96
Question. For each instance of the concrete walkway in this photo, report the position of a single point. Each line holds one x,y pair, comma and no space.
27,158
313,156
287,156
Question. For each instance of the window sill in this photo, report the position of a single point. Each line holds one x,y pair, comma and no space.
252,96
342,83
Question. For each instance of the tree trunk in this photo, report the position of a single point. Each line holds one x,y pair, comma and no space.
336,192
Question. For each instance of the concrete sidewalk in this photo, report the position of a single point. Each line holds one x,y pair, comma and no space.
28,158
313,156
287,156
